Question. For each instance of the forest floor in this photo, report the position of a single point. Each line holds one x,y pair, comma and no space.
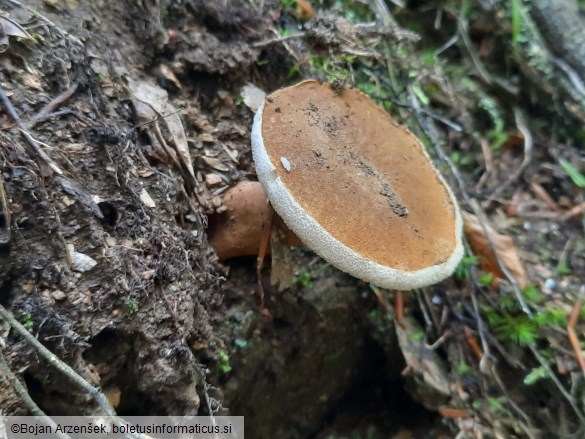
124,122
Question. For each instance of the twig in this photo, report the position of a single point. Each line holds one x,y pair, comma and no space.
381,10
62,367
47,21
55,102
278,40
573,339
431,133
46,161
542,194
22,393
463,32
573,211
554,378
521,124
509,399
5,214
489,164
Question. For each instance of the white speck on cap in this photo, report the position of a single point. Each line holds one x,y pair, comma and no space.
286,163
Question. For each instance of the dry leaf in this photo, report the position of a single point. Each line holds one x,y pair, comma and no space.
252,96
9,28
504,248
169,75
150,100
431,383
305,9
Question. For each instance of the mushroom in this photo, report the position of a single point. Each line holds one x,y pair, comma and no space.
238,231
355,186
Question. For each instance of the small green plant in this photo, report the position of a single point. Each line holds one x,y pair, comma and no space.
511,324
462,270
563,267
497,135
486,279
497,403
464,369
284,32
516,21
224,365
288,4
303,279
27,321
131,305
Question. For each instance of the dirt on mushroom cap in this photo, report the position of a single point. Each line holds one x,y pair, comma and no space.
367,181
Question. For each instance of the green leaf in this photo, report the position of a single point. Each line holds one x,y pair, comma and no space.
486,279
574,174
535,375
420,94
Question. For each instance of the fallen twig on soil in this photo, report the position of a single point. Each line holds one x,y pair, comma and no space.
46,20
431,133
5,215
528,143
55,102
551,374
46,164
573,339
64,368
21,391
278,40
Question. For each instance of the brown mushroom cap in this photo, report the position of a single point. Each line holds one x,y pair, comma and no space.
356,187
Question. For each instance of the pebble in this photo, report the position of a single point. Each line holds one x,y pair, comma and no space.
550,284
58,295
212,179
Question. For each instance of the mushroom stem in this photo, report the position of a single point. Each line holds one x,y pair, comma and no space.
238,231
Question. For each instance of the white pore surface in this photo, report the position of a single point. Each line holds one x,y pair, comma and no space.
325,245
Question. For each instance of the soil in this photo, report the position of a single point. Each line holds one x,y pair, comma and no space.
159,323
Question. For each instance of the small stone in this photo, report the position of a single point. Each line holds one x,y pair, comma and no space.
550,284
58,295
68,201
216,201
82,263
147,199
212,179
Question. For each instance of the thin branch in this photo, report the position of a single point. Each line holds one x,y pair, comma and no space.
554,378
45,160
63,368
22,393
528,143
278,40
573,339
55,102
432,134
